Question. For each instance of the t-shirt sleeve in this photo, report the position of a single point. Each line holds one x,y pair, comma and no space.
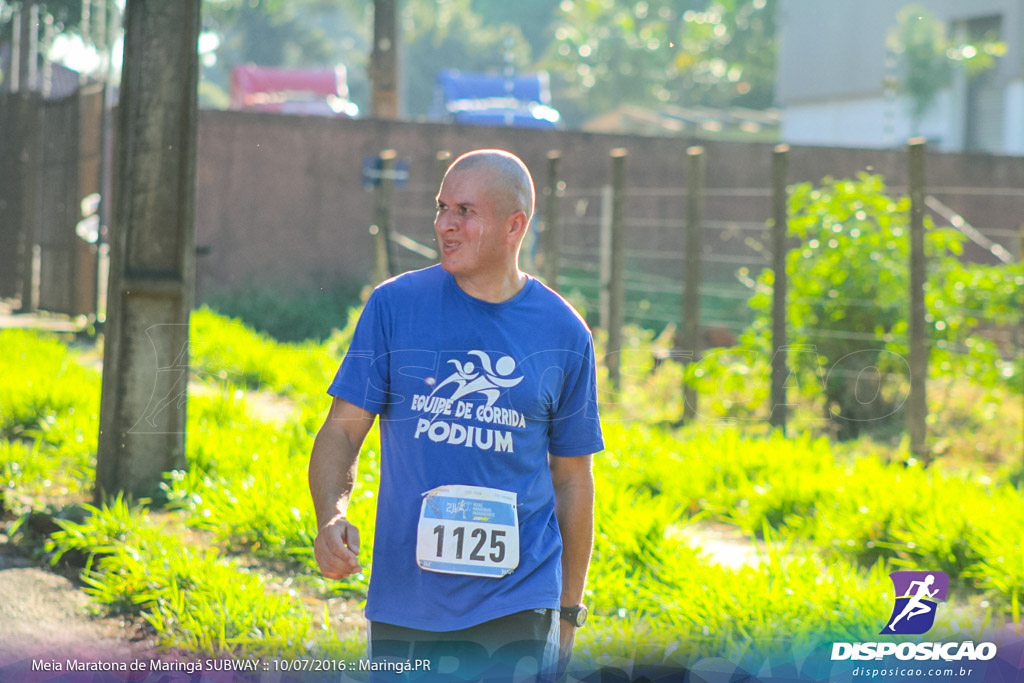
576,427
364,378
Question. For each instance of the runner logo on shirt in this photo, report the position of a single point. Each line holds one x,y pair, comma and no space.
486,381
452,397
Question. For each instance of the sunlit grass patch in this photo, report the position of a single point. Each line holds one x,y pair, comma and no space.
49,420
31,473
226,350
46,395
999,569
851,508
685,608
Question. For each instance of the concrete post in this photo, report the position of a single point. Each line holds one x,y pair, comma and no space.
152,273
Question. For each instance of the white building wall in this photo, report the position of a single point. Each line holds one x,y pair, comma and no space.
1013,121
873,122
831,67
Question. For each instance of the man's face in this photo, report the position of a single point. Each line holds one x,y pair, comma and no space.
472,225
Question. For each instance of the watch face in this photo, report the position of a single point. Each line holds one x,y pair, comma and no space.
577,616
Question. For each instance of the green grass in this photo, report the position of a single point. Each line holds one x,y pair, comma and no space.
49,419
859,510
206,575
289,316
226,351
194,599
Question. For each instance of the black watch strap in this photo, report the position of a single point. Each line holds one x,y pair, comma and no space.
575,615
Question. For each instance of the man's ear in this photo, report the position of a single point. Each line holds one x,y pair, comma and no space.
518,224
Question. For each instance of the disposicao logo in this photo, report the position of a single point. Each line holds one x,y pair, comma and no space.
918,595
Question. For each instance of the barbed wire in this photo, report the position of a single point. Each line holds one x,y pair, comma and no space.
669,313
586,259
747,192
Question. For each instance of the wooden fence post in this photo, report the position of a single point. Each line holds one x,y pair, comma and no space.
384,61
550,243
29,107
442,161
780,226
1019,340
616,281
604,256
384,265
917,405
690,327
30,111
1020,323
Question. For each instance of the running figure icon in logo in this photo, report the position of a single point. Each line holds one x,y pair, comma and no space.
489,381
917,594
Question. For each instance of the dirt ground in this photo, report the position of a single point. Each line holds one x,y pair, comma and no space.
45,616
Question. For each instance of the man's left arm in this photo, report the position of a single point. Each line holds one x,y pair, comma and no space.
573,480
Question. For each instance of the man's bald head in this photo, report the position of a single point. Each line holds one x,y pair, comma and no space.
508,173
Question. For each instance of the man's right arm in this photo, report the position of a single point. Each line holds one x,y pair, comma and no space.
332,476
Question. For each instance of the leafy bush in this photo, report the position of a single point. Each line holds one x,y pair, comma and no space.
848,283
974,311
847,290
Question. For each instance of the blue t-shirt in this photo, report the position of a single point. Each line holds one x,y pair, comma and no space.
469,393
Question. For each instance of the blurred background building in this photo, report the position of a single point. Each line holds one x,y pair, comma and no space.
875,72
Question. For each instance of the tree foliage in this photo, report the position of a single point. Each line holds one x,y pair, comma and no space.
655,52
919,40
534,18
712,52
600,52
927,58
296,34
67,14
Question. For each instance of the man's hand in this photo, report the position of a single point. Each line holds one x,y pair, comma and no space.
332,475
336,549
566,634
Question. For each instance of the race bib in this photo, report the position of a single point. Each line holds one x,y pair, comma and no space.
469,530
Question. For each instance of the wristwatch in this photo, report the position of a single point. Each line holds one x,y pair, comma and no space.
575,615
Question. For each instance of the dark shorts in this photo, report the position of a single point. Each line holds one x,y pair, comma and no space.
521,646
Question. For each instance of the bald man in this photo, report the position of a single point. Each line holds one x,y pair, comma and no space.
484,382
